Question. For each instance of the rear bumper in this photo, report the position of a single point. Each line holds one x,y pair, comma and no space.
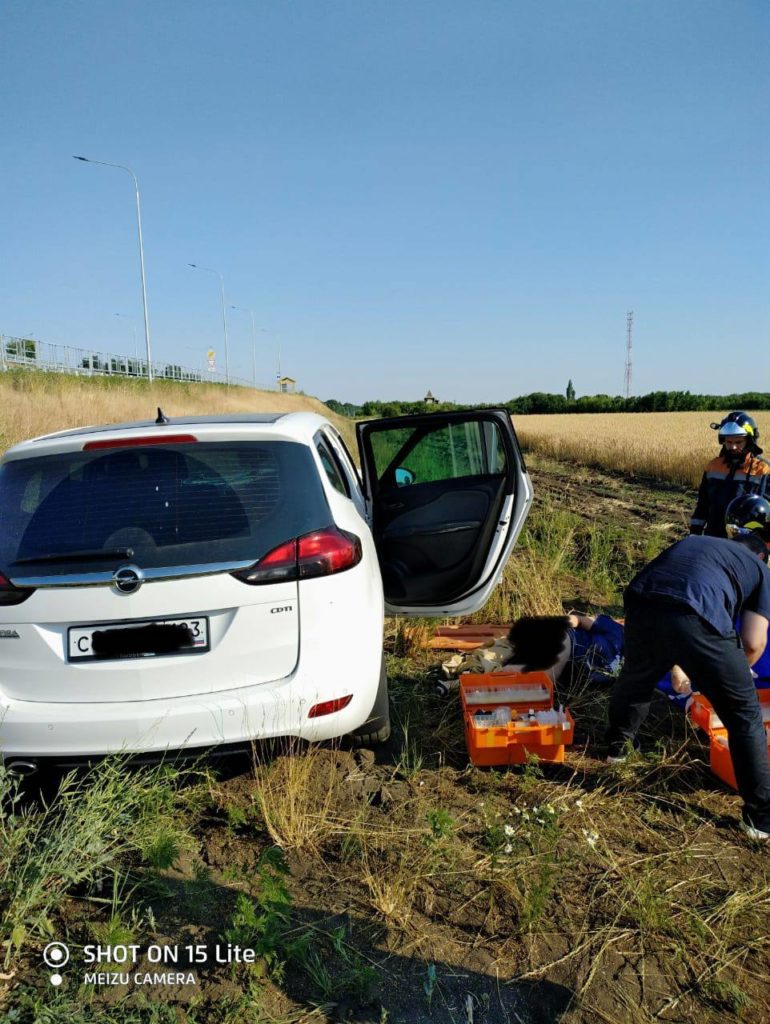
340,655
48,730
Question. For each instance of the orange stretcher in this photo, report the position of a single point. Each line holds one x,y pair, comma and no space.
703,715
466,637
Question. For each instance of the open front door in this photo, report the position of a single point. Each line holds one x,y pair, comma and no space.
447,494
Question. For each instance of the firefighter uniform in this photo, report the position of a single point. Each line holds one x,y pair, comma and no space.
722,481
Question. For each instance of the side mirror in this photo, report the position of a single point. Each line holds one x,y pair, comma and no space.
404,476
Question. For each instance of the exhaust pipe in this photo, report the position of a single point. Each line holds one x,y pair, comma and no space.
20,769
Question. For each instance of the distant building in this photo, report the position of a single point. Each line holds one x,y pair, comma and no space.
430,400
287,384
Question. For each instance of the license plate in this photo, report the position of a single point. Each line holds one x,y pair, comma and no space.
158,638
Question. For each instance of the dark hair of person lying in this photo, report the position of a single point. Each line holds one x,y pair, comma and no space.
538,641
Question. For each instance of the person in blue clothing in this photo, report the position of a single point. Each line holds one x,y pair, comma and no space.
680,609
596,646
591,644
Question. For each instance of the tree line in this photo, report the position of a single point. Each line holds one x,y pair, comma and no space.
544,402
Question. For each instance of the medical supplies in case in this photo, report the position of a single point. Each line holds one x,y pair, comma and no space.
703,715
508,716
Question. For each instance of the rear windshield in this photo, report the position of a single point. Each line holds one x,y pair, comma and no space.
173,505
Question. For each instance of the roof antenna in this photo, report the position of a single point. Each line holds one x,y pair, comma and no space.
162,418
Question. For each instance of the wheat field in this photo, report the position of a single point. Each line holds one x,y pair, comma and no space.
672,446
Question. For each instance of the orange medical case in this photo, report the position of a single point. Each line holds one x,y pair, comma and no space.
703,715
534,726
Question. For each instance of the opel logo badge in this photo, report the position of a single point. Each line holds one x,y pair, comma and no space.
128,579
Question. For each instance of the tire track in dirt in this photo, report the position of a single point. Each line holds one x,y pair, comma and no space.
593,494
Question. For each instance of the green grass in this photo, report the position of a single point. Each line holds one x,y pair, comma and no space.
95,822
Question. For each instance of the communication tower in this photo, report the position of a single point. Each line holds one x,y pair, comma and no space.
629,332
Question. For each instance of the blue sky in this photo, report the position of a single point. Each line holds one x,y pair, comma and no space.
411,194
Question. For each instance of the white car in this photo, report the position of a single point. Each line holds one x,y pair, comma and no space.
210,580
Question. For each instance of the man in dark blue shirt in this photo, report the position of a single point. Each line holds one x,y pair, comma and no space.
680,610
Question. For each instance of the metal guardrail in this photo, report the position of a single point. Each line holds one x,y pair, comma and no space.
40,355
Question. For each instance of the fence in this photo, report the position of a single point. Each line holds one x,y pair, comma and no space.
40,355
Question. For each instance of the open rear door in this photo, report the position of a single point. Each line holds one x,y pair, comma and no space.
447,494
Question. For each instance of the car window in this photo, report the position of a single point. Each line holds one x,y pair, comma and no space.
172,504
349,464
497,457
404,455
332,470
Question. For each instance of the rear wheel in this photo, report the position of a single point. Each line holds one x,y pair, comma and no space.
376,729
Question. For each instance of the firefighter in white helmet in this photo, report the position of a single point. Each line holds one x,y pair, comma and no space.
738,469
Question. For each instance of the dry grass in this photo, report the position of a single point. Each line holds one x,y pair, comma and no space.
297,794
671,446
32,404
391,889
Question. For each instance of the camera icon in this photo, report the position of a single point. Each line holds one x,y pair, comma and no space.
56,954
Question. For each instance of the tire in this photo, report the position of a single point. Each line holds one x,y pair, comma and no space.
376,728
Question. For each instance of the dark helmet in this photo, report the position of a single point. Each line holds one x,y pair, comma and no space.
739,424
748,513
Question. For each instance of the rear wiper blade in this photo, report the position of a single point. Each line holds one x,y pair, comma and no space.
78,556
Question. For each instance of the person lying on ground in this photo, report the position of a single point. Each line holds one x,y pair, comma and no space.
591,645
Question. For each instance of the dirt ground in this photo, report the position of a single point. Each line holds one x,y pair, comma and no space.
414,887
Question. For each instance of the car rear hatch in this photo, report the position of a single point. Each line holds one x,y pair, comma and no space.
118,563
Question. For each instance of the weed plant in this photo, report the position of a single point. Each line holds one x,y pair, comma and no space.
94,822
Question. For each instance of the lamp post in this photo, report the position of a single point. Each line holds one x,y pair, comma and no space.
122,167
210,270
253,341
125,316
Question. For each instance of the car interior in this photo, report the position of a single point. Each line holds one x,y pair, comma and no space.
438,495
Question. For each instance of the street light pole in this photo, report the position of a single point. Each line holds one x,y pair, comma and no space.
211,270
253,341
122,167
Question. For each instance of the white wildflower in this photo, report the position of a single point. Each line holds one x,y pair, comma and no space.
550,808
509,830
516,810
579,804
592,838
507,848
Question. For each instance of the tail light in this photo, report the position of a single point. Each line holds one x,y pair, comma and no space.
139,442
9,594
328,707
321,553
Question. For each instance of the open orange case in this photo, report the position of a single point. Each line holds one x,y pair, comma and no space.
534,726
705,717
